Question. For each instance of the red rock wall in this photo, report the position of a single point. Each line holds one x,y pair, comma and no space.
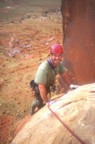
79,38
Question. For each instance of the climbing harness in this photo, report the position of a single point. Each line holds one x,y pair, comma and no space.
66,126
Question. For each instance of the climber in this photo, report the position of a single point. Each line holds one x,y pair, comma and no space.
45,76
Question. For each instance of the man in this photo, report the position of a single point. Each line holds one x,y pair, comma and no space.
46,74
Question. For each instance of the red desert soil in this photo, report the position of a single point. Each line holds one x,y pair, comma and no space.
23,46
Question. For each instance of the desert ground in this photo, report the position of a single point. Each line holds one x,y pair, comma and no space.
24,43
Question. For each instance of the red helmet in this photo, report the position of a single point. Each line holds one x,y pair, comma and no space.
56,49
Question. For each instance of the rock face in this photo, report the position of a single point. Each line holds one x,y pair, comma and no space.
79,38
76,109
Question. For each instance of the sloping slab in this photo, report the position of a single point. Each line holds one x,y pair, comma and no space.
77,111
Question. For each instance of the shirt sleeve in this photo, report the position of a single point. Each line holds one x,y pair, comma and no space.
41,76
62,68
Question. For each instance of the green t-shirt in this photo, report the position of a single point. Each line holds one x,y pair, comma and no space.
46,74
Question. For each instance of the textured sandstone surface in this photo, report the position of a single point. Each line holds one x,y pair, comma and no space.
79,38
76,109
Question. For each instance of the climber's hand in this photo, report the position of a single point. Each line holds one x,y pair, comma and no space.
50,103
72,86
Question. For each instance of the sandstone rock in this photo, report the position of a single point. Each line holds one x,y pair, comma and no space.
79,38
76,109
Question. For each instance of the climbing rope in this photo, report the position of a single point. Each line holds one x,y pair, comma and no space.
66,126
